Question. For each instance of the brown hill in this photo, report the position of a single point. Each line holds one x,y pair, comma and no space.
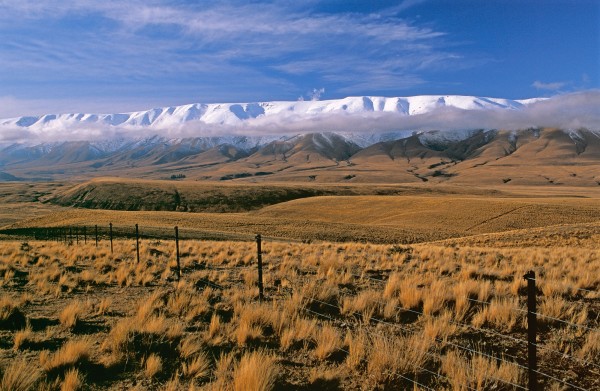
492,158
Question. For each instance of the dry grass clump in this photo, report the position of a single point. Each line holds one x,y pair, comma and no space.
19,376
256,371
187,304
23,338
501,314
591,347
11,316
71,315
357,349
73,381
152,365
478,372
435,297
253,322
72,353
299,331
366,303
196,367
327,339
390,356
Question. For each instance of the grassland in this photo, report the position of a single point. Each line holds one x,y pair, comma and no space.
376,219
336,316
366,287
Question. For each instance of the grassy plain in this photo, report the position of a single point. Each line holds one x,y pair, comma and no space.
399,288
336,316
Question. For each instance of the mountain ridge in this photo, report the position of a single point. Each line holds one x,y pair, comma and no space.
235,113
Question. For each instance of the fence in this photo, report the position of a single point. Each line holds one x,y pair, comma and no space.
311,305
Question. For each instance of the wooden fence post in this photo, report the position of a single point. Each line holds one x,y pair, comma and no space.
260,271
110,234
531,330
177,249
137,243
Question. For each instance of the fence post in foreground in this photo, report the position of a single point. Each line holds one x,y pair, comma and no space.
110,234
137,243
260,276
531,330
177,249
96,229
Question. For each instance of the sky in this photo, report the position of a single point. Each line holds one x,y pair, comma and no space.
115,55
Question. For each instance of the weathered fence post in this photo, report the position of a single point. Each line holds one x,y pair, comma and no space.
260,274
84,234
177,250
110,235
137,243
531,330
96,229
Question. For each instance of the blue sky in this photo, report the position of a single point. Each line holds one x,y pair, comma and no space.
116,55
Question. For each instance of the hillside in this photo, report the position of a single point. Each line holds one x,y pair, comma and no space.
506,158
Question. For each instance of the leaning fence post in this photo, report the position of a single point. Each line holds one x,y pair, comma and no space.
96,229
137,243
531,330
260,274
110,235
177,248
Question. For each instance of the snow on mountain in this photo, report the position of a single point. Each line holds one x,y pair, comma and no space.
236,113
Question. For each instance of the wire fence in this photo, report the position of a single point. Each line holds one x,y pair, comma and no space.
526,360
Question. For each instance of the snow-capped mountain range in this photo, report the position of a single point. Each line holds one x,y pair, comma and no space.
434,136
235,114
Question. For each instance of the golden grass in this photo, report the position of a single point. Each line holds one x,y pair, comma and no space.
256,371
152,365
19,376
440,214
73,381
327,339
71,314
386,310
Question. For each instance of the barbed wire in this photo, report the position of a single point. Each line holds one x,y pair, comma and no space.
427,353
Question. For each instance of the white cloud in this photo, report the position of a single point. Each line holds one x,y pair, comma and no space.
548,86
315,94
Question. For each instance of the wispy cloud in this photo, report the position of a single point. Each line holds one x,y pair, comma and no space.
548,86
274,46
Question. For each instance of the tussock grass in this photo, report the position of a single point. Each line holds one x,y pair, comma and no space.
256,371
19,376
73,381
11,316
72,353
